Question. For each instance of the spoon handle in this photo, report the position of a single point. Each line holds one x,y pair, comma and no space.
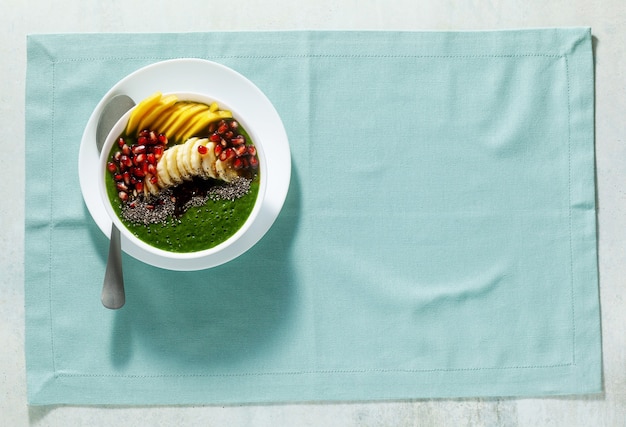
113,288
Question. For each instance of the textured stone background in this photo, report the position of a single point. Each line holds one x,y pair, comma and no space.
608,21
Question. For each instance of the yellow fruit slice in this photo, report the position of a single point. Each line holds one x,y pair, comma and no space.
141,110
184,119
177,109
164,104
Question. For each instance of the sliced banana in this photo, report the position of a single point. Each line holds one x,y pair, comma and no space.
163,174
172,164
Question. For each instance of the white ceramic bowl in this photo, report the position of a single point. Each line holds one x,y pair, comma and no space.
229,244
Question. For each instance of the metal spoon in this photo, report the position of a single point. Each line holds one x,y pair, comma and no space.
113,296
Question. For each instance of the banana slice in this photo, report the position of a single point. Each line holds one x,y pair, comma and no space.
208,161
163,174
224,170
172,164
180,162
195,158
149,186
184,119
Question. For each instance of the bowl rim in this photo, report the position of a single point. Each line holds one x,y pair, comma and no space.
117,130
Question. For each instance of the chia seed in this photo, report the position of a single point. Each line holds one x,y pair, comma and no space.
171,203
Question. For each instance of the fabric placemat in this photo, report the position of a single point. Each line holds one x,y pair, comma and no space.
438,238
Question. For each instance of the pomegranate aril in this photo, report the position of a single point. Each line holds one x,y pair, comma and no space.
233,124
138,149
151,158
162,138
117,156
125,150
240,150
153,137
239,139
254,162
126,177
118,177
152,169
215,138
223,127
138,172
154,180
158,152
218,149
144,133
251,150
112,167
139,186
123,196
142,140
202,149
139,158
121,142
121,186
238,163
227,154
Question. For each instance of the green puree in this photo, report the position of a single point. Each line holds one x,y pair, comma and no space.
199,228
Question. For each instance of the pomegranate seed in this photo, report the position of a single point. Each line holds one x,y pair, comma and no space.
254,162
202,149
125,149
158,152
138,172
139,186
234,125
252,150
162,138
154,179
238,163
144,133
112,167
227,154
151,158
240,150
215,137
121,142
239,139
126,177
123,196
229,134
152,169
142,140
126,161
153,137
118,177
138,149
223,127
218,149
117,156
139,158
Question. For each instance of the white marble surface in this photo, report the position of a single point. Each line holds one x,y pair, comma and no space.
608,21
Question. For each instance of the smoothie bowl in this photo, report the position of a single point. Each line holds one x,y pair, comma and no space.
182,175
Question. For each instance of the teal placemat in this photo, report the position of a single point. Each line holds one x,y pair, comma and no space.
438,238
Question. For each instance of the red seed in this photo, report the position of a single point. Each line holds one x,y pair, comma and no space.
126,177
154,179
239,139
238,163
117,156
112,167
153,137
151,158
144,133
138,172
223,127
139,186
142,140
162,138
254,162
240,150
233,124
123,196
121,142
138,149
152,169
125,149
227,154
215,138
139,158
252,150
118,177
218,149
202,149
